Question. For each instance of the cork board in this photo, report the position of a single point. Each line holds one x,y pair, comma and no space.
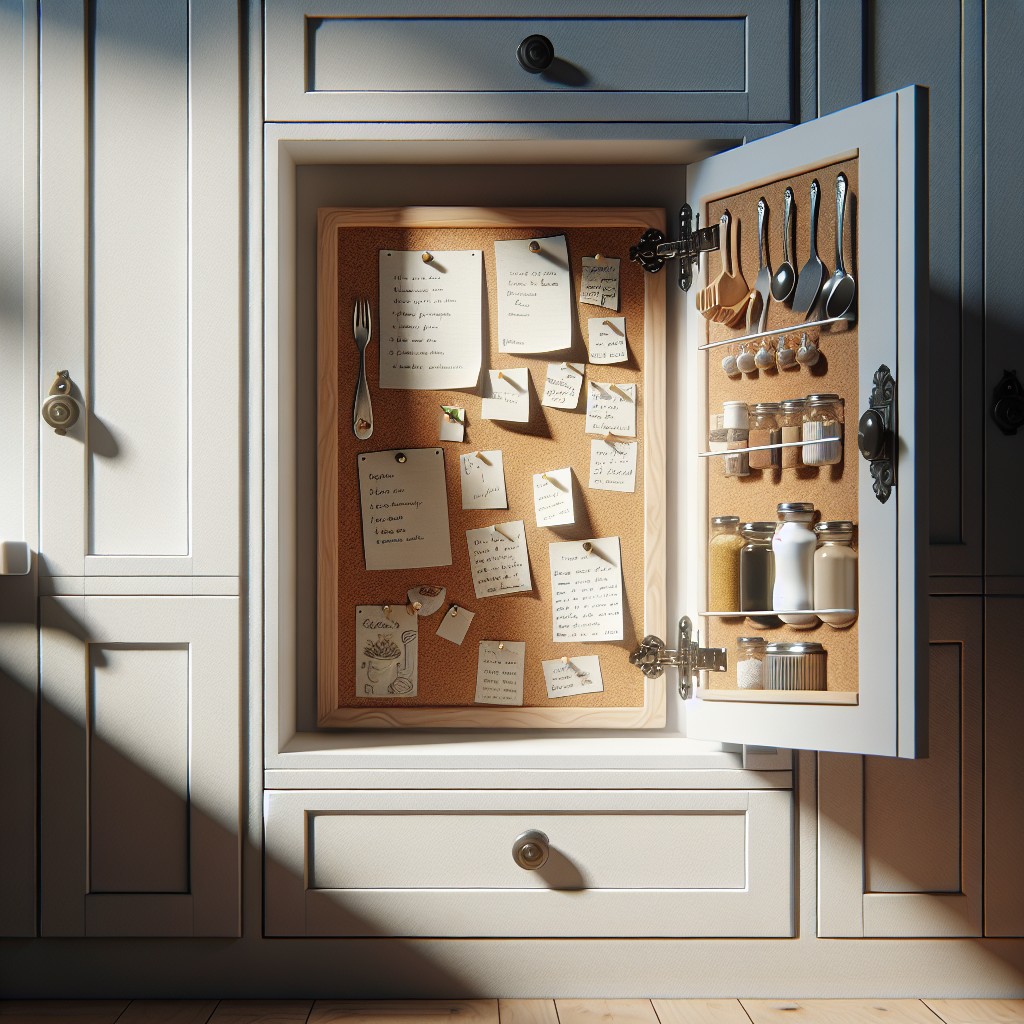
349,242
832,489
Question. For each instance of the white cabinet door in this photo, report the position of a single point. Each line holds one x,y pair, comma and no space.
140,277
885,137
139,754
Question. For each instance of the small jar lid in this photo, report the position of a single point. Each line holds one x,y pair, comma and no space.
750,641
796,511
724,520
778,647
736,415
766,408
823,399
834,528
762,530
793,404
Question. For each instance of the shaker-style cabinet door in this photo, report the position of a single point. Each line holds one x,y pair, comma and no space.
140,269
139,745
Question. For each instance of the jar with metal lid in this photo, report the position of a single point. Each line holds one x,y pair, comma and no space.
750,662
822,425
764,429
736,420
794,666
835,573
757,572
724,564
791,424
793,546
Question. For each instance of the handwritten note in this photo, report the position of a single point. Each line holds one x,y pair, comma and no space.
577,675
431,319
586,590
606,339
453,423
499,560
562,385
387,651
499,672
552,497
613,465
611,408
483,480
455,624
534,295
404,503
600,284
508,395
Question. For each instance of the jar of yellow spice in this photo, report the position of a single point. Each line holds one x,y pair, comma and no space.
724,564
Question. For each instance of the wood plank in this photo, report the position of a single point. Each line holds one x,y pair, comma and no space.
405,1011
837,1011
527,1011
168,1011
977,1011
700,1011
62,1011
262,1011
605,1011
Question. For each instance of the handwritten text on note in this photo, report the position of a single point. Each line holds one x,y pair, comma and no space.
535,297
586,590
606,339
600,285
508,395
577,675
552,497
562,385
611,408
613,465
483,480
499,672
499,560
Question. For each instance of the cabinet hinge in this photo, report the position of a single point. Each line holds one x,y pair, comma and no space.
653,248
652,657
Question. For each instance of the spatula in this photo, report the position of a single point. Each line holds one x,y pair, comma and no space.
812,273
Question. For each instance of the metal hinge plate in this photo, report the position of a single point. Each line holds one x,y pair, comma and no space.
652,657
654,249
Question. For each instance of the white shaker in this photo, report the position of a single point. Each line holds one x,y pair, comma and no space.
793,546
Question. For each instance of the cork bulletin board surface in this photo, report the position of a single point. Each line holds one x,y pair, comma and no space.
349,244
832,489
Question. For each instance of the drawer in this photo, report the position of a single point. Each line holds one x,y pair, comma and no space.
706,60
440,864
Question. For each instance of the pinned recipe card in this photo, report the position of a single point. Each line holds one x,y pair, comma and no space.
404,503
562,385
535,297
387,639
613,465
455,624
507,396
552,497
499,560
611,409
483,480
431,313
566,676
606,340
499,672
600,283
586,590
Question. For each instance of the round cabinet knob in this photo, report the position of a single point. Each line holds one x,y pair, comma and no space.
871,434
535,54
60,410
530,850
1008,403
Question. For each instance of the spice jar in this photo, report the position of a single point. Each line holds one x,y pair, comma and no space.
724,564
794,667
736,420
764,429
822,425
835,572
716,433
757,572
793,546
791,423
750,662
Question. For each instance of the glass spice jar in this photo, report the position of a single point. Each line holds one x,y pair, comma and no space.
793,546
835,572
764,429
736,420
791,424
750,662
794,666
822,425
757,572
724,564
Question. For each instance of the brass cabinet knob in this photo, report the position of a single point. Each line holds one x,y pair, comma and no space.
530,850
60,410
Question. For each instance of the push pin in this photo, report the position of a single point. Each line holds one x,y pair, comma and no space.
611,326
401,457
501,533
501,647
535,246
426,257
609,438
454,611
413,607
501,376
597,257
573,367
387,611
483,458
588,547
619,392
565,659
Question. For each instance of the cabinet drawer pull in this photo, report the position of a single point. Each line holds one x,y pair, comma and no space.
530,850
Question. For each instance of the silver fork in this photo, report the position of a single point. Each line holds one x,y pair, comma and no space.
362,411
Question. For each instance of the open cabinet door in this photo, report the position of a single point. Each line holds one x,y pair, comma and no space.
876,666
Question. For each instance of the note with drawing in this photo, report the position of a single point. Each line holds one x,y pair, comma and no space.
600,283
552,497
562,385
566,676
431,319
586,590
535,299
499,560
483,480
499,672
612,465
606,339
387,651
403,498
507,396
611,409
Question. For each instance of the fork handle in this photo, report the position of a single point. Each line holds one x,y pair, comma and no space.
362,411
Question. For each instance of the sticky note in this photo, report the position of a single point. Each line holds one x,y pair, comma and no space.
483,480
498,559
600,282
535,297
508,395
455,624
586,590
499,672
577,675
453,424
606,339
552,497
611,408
613,465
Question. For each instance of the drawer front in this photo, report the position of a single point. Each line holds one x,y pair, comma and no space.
686,863
700,61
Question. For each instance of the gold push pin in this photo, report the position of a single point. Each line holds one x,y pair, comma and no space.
573,367
483,458
501,533
546,477
501,376
387,611
609,438
535,246
501,647
413,607
426,257
454,611
620,392
565,659
401,457
588,547
597,258
614,327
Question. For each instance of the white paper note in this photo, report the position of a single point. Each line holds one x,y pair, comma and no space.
534,295
431,319
499,560
455,624
453,424
499,672
613,465
404,504
600,283
586,590
579,675
562,385
606,339
387,652
552,497
508,395
611,411
483,480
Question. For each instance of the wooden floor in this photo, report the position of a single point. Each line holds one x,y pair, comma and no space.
516,1011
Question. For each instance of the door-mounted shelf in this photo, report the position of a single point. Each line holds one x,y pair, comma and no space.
792,329
841,697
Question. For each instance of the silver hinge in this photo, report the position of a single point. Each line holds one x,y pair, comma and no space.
652,657
654,248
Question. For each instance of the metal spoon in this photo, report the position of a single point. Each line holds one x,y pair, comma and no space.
812,273
785,276
840,288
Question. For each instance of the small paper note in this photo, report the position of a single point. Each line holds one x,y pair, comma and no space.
562,385
606,339
611,408
586,590
552,497
499,672
483,480
453,424
499,560
613,465
431,329
508,395
387,652
534,295
428,597
404,504
578,675
600,284
455,624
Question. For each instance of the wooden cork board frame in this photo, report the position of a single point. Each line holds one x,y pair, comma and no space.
349,241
